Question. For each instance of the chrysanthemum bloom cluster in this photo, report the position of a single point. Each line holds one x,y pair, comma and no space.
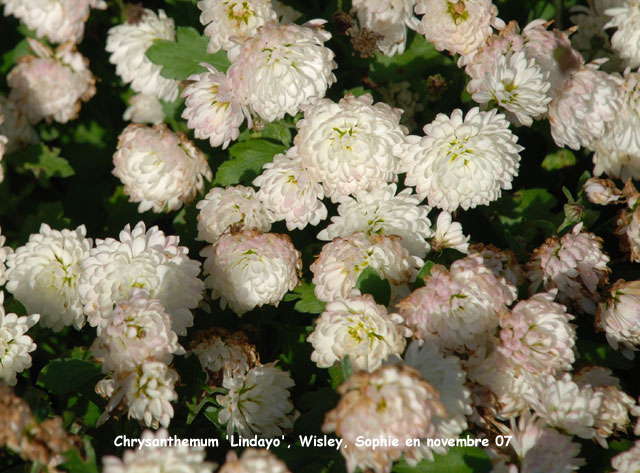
288,191
448,234
135,347
128,44
628,460
253,461
43,443
618,316
51,85
359,328
223,354
625,16
15,346
502,262
392,402
248,269
231,208
257,402
458,308
389,19
352,145
159,169
463,161
337,269
144,108
574,264
154,455
601,191
145,259
16,128
44,275
459,27
382,212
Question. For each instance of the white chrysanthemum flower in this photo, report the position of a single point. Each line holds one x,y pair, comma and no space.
625,16
458,308
156,453
537,335
574,264
382,212
601,191
257,402
128,44
159,169
15,346
337,269
463,161
392,403
351,145
253,460
58,20
618,317
44,275
588,101
518,86
16,127
144,108
212,110
283,68
359,328
141,259
289,192
502,262
223,353
448,234
51,85
139,331
389,18
446,375
562,404
229,23
230,208
248,269
628,461
459,27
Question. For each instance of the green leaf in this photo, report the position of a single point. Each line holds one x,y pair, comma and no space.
457,460
561,159
601,354
181,58
424,272
370,283
10,58
249,156
66,375
42,162
337,375
76,464
278,131
307,303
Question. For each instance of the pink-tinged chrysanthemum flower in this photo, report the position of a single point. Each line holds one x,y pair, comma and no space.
283,68
601,191
351,145
618,316
392,403
212,110
562,404
58,20
574,264
628,461
229,23
159,169
463,161
144,108
144,259
459,27
248,269
337,269
359,328
389,19
289,192
382,212
128,45
44,275
258,402
458,308
537,335
253,460
51,84
156,453
15,346
625,16
448,234
501,262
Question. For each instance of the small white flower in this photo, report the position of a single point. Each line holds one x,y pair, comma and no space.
601,191
44,275
149,391
448,234
618,316
144,108
222,353
625,16
128,44
253,460
15,346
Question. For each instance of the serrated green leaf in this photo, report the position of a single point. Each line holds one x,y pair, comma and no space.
424,272
42,162
457,460
561,159
66,375
370,283
181,58
249,157
307,303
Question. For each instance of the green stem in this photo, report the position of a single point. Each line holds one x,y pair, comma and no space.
558,6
